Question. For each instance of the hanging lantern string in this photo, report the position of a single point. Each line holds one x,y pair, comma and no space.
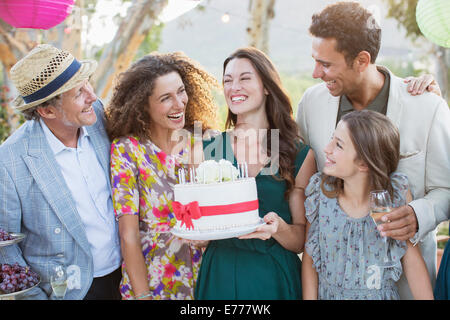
226,15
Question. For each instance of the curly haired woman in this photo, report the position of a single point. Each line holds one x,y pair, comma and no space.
154,100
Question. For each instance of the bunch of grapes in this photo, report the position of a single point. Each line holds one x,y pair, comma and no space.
16,278
5,236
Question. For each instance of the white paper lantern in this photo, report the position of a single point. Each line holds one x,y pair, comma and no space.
433,18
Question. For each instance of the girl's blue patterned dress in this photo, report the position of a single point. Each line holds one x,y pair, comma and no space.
346,251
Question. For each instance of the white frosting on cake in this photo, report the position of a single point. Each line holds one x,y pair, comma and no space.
216,194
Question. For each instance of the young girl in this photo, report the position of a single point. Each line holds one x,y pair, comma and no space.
343,247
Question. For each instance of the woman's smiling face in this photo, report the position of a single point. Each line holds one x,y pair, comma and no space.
167,103
243,88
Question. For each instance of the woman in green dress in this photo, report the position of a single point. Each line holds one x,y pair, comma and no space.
263,264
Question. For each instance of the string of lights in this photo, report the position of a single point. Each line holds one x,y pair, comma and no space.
227,16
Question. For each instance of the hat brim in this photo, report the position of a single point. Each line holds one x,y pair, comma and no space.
86,70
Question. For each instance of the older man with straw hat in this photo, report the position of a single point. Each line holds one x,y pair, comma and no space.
54,173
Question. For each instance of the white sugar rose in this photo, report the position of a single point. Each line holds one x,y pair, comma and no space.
211,171
229,172
208,172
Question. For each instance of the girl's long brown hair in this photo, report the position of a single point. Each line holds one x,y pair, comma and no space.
377,143
278,110
128,111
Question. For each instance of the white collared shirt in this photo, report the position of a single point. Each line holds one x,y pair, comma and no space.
88,185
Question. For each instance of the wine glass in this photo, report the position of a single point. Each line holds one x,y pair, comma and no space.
380,204
58,281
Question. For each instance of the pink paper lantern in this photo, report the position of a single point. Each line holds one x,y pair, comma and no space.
35,14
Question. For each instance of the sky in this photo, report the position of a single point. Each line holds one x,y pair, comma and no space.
102,27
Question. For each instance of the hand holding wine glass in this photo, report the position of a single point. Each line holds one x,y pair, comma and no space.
58,281
380,204
401,223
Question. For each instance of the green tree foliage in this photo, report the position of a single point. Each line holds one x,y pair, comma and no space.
404,11
151,42
4,127
5,116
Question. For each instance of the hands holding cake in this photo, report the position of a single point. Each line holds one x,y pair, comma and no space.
219,201
215,201
267,230
197,243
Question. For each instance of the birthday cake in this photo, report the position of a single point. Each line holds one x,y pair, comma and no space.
217,197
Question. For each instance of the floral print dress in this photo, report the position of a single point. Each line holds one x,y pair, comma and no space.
143,177
346,251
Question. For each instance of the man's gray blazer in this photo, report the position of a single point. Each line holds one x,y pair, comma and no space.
35,200
424,125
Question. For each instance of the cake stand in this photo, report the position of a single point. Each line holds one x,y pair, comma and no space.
216,234
17,238
12,296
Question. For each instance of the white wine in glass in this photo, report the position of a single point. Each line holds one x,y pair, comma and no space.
58,281
378,213
380,204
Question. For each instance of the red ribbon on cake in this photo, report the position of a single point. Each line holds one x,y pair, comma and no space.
185,213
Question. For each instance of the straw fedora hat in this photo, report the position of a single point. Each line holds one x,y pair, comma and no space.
46,72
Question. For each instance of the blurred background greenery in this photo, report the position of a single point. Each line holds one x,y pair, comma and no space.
204,35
